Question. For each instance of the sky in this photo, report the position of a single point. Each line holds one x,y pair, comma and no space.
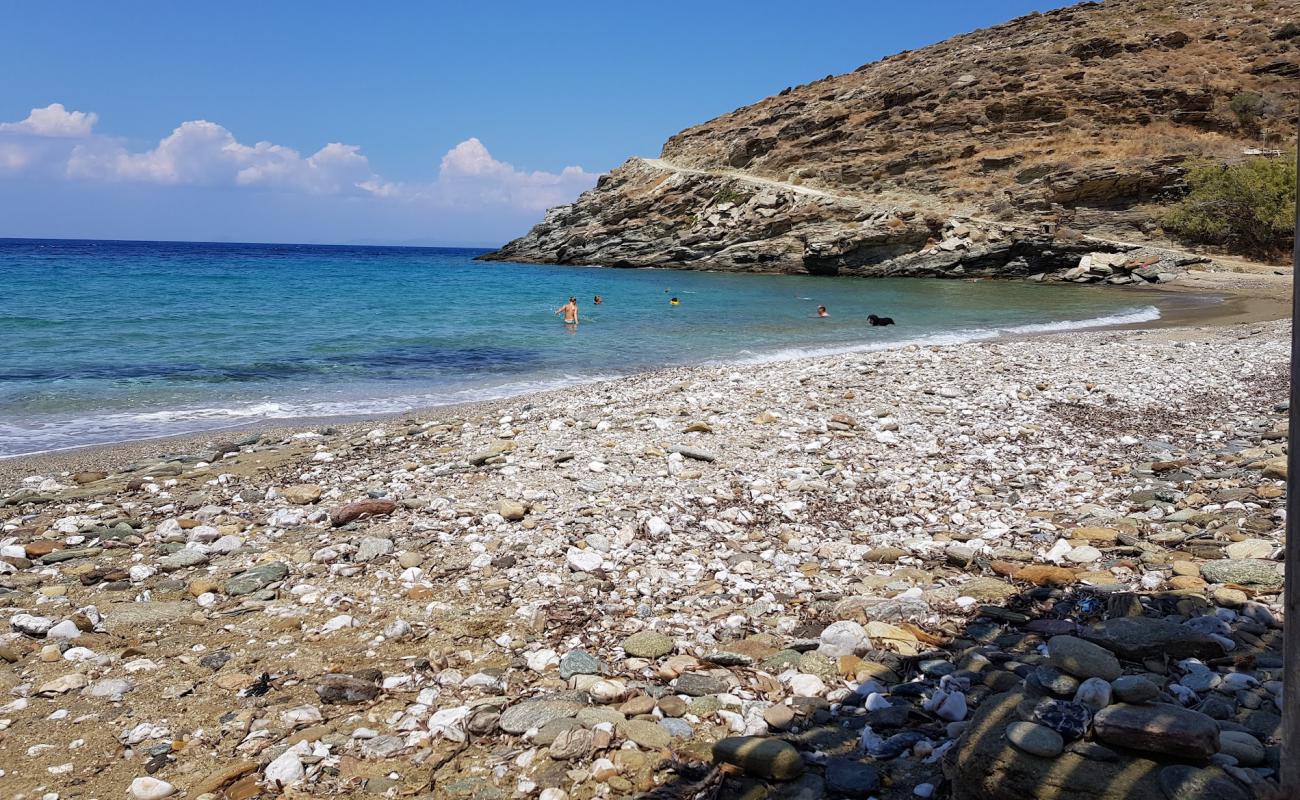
394,123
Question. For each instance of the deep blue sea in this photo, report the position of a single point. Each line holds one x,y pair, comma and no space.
113,341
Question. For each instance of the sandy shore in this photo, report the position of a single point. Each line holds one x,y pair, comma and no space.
540,596
1215,299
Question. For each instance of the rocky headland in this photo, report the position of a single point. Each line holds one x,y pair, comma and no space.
997,570
1011,151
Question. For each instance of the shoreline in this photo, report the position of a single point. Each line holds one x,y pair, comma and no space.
1232,302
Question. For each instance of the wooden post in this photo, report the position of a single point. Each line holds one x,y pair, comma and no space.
1290,776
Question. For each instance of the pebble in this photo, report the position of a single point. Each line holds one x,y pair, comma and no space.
720,590
146,788
1082,659
648,644
1035,739
761,757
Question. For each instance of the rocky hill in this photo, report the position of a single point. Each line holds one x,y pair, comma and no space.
1016,149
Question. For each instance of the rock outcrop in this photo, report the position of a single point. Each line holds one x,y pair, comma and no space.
1028,136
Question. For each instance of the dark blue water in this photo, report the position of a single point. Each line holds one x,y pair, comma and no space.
110,341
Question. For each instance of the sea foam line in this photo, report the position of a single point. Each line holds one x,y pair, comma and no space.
1144,314
160,424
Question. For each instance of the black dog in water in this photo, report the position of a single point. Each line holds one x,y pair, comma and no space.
878,321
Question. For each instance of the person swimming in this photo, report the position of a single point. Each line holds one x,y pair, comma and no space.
822,312
595,301
674,302
569,311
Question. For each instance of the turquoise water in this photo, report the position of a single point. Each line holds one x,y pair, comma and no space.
113,341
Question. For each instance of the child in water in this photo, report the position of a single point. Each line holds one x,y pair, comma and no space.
822,312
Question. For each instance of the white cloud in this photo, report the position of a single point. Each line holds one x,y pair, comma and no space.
469,173
203,153
207,154
53,120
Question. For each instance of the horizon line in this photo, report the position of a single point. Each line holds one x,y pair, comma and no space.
232,242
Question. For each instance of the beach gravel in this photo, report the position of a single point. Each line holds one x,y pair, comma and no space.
868,574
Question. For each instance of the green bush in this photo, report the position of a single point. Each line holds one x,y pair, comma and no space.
1248,206
1248,107
1288,31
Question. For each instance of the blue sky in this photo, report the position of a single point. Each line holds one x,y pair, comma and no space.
425,122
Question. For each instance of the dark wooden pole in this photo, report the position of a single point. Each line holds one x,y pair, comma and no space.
1291,638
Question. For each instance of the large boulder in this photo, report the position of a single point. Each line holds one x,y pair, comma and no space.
984,765
1158,728
1136,638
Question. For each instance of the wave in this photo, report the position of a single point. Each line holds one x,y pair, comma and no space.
1135,317
37,437
52,435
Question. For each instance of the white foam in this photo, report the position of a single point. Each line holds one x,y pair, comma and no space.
1138,316
53,435
49,436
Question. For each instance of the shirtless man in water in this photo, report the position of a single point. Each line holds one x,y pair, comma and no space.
570,311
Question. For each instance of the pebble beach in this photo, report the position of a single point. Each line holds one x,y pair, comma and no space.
948,571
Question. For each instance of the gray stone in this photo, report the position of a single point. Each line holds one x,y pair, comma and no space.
761,757
1035,739
181,559
572,743
1242,746
1183,782
677,728
1136,638
257,578
1082,659
1247,572
645,733
693,684
851,778
373,548
578,662
536,713
547,733
694,455
648,644
1056,681
1134,689
1158,728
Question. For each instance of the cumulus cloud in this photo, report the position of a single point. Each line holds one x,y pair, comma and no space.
469,173
53,120
206,154
203,153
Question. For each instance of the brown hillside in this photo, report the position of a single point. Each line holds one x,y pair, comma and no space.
1084,118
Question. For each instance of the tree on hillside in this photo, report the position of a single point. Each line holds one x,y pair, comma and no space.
1248,206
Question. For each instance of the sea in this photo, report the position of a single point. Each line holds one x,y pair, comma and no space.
113,341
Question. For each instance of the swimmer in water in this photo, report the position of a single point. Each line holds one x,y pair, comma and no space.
569,311
822,312
674,302
596,300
